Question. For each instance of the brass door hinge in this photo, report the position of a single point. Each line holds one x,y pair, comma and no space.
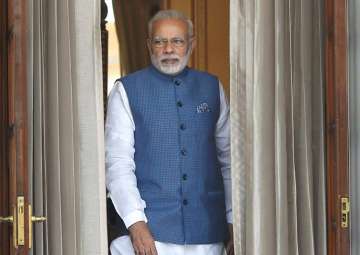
345,209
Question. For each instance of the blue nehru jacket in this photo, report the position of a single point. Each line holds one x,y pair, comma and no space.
177,170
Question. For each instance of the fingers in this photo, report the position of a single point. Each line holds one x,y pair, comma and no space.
145,248
142,240
153,250
144,252
230,248
139,249
230,243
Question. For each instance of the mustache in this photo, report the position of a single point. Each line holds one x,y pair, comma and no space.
167,57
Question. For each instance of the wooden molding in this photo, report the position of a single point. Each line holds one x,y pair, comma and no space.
17,91
4,155
336,73
199,17
104,48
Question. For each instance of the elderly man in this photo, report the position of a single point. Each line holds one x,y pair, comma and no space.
168,151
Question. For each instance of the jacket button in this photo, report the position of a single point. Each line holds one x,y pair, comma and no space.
185,202
184,177
183,152
179,104
182,127
177,82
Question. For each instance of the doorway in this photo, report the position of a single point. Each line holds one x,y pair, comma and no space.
5,230
211,54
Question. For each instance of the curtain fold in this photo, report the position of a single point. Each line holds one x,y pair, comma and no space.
66,127
277,127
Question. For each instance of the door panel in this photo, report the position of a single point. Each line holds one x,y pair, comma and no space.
4,166
14,128
354,121
336,71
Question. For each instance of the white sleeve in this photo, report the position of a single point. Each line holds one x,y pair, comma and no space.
119,158
222,135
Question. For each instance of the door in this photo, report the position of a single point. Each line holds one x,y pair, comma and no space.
13,129
4,173
354,122
336,76
16,214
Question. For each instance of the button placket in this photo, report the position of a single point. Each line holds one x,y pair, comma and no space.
184,177
177,82
183,151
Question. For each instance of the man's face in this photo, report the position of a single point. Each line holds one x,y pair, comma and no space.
169,45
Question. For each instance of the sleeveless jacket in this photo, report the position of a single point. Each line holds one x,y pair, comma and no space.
177,170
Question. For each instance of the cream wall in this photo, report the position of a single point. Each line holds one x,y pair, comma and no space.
113,55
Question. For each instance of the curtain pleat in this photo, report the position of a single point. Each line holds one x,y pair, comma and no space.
281,89
52,138
277,127
66,120
39,187
261,187
66,145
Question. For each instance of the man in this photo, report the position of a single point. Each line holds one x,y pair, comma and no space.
168,151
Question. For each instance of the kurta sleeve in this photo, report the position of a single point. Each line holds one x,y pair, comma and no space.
222,135
119,158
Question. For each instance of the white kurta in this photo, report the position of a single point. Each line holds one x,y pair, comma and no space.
121,178
123,246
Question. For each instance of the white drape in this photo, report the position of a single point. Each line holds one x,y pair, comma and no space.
66,127
354,116
277,127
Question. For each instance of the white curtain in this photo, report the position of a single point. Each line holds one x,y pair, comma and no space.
66,146
354,117
277,127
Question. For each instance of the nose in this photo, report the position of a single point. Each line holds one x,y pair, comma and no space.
168,48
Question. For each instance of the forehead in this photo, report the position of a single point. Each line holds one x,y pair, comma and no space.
169,28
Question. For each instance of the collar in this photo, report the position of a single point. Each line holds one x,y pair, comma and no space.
169,77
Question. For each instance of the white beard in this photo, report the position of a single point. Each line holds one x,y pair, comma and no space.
170,68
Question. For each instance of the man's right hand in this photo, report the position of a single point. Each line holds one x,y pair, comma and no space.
142,240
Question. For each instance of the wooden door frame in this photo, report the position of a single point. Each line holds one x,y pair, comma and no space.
4,156
336,73
337,145
18,116
13,117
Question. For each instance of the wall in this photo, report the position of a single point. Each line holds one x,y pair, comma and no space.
211,25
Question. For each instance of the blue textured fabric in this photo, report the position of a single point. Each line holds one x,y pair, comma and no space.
177,170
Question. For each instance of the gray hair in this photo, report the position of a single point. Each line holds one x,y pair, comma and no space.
171,14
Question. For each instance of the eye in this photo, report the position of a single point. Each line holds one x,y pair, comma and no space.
178,42
157,42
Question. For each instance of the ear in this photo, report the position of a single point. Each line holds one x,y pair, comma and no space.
193,43
148,43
